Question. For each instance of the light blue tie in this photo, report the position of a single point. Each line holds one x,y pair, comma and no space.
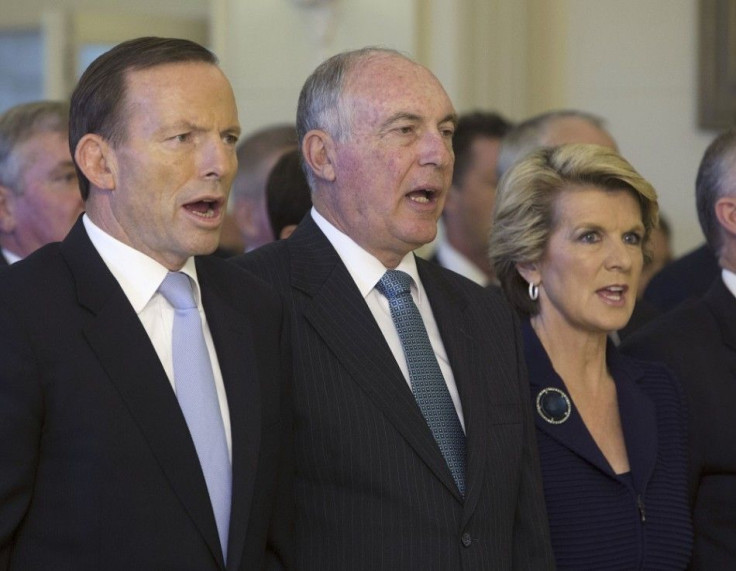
197,395
427,382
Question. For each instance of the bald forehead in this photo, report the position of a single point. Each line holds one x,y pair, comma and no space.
373,71
576,130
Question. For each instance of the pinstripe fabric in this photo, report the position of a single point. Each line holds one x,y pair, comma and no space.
372,489
596,518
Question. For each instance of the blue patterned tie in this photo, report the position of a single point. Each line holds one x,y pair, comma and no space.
197,395
427,382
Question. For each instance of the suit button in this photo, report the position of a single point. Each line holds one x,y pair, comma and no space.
466,539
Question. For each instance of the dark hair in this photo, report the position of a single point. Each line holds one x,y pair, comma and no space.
472,126
710,185
287,192
98,101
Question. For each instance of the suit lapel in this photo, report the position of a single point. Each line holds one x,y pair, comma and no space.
124,350
638,420
234,344
341,317
572,433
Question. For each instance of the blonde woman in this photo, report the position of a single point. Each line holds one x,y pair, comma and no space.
569,231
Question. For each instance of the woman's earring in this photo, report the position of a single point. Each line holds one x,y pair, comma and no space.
533,291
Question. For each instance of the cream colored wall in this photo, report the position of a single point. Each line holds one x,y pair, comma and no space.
634,62
271,46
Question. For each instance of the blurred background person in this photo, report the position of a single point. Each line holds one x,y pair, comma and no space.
288,198
39,194
659,248
549,130
257,154
688,277
697,340
469,204
567,243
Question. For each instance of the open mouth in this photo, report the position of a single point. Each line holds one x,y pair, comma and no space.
204,208
422,195
613,293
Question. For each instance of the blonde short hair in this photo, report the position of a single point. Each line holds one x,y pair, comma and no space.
523,217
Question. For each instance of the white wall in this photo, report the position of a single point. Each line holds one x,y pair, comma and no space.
634,62
271,46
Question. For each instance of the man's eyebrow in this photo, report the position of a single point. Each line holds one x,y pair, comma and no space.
400,116
450,118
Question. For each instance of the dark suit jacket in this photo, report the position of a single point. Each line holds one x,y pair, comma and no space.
372,489
639,520
698,341
97,469
687,277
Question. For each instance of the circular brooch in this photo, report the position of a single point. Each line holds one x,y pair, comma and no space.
553,405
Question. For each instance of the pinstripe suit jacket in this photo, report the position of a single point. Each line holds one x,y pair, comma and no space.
372,489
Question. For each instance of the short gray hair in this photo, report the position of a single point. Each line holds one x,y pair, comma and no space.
716,175
19,124
320,100
530,135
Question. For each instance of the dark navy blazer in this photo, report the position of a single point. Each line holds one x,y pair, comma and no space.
598,520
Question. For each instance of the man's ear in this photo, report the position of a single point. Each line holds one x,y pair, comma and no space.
530,272
7,210
96,159
726,213
318,149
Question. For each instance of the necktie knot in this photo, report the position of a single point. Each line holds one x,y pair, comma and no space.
177,289
394,283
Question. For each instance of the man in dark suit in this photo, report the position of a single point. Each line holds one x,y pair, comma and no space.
381,481
697,340
39,194
105,463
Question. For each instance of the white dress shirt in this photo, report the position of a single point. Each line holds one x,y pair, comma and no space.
454,260
366,270
139,277
10,257
729,278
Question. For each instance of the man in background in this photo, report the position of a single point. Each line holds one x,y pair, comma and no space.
39,194
257,154
288,195
549,130
469,205
697,340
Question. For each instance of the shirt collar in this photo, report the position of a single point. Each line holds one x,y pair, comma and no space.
729,279
10,257
454,260
138,274
365,269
